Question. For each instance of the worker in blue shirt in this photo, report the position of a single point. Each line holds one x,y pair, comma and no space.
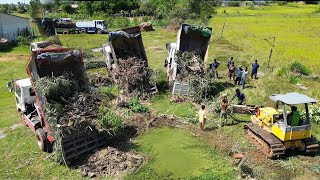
254,71
237,80
215,66
241,97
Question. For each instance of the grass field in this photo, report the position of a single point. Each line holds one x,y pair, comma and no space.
297,39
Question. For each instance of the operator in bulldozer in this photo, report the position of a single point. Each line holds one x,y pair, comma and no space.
294,117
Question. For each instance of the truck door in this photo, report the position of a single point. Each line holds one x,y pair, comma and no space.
18,92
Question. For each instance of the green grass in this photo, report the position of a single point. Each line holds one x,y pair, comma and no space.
161,103
176,154
84,41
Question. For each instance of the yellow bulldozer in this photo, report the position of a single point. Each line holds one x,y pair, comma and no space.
276,130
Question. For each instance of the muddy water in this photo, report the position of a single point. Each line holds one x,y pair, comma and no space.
174,153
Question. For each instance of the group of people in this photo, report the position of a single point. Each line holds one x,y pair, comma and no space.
224,107
238,74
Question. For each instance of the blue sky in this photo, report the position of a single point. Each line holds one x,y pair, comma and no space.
13,1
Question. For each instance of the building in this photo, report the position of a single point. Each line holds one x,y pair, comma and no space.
12,26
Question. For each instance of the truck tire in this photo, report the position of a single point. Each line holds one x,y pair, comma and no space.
41,139
99,31
65,32
83,32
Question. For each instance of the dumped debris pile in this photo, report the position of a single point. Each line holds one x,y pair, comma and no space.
112,162
189,65
134,77
56,89
81,112
190,68
98,80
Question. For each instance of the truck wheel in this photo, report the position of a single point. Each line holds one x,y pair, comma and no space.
83,31
65,32
41,139
99,31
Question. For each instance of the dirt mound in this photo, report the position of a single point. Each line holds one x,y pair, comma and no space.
112,162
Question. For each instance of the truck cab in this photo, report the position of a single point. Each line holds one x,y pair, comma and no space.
24,94
101,26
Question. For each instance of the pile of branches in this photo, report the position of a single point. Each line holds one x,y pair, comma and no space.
191,70
134,77
56,89
98,80
80,112
189,65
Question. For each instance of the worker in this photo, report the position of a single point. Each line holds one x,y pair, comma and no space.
241,97
238,75
231,70
215,66
294,117
244,77
235,152
254,71
223,112
229,62
202,116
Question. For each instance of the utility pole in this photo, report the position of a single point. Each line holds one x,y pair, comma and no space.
271,50
223,28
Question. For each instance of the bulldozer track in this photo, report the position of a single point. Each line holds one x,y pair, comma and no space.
312,145
270,145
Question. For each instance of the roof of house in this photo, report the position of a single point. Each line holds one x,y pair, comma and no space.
14,15
292,98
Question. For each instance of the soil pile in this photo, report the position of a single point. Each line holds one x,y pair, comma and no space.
112,162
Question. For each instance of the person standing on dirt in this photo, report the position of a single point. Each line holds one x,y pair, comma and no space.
223,112
231,71
254,71
241,97
244,77
238,75
215,66
202,116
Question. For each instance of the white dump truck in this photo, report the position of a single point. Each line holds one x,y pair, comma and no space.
190,38
95,26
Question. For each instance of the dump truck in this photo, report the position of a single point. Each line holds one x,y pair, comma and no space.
126,44
65,26
190,38
32,105
94,26
275,130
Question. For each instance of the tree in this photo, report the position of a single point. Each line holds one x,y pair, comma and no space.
21,8
34,8
67,8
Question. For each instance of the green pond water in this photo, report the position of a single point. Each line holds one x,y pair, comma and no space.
174,153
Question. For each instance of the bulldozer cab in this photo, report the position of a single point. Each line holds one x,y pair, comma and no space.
289,124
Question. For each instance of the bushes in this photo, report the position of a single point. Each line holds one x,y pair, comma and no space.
314,113
282,3
234,4
108,120
137,107
297,67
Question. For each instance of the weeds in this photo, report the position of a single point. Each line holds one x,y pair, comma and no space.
108,120
297,67
137,107
111,91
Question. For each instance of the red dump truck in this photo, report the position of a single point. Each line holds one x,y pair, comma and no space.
53,62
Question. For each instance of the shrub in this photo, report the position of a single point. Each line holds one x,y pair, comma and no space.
54,40
297,67
108,120
24,40
136,106
293,79
282,3
234,4
314,114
